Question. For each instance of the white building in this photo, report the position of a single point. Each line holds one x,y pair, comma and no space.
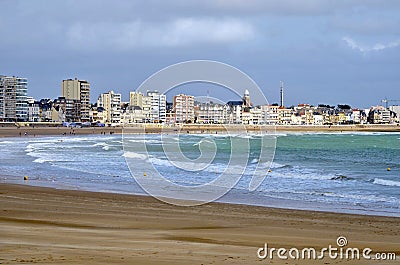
111,103
356,116
396,110
133,114
284,116
183,107
379,115
33,109
13,104
318,119
137,99
257,116
211,112
234,113
271,115
158,106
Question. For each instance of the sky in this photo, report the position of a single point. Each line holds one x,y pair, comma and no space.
326,52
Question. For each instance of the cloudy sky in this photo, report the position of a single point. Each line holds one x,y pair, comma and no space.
332,52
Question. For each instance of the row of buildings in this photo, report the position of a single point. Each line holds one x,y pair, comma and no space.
152,107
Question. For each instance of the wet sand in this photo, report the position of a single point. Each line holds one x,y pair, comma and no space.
50,226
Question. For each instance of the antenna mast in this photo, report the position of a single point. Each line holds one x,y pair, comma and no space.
281,93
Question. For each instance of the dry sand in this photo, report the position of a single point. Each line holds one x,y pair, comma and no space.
49,226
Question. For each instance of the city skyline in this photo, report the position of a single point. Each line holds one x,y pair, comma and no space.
152,107
187,90
325,52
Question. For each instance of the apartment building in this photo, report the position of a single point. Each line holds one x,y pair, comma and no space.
158,106
13,103
68,110
211,112
183,108
33,109
137,99
284,115
78,90
111,104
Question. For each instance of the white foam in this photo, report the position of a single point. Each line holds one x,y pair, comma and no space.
147,141
41,160
386,182
129,154
6,142
276,165
212,168
306,176
360,197
254,161
100,144
160,162
203,140
30,148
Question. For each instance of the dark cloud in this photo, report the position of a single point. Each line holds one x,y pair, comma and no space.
326,51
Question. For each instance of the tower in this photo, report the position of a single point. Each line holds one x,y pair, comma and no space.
246,99
281,93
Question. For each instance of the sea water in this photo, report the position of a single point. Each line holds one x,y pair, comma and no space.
339,172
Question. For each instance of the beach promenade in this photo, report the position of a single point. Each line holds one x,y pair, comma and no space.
12,131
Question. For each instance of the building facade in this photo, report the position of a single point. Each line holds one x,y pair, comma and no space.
137,99
183,107
13,102
33,109
69,110
379,115
158,109
111,103
78,90
211,112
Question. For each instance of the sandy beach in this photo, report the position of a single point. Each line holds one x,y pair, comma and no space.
50,226
38,130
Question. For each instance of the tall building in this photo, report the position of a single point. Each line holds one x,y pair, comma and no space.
78,90
158,110
137,99
111,103
183,107
13,104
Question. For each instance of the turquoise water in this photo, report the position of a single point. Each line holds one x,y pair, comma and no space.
330,172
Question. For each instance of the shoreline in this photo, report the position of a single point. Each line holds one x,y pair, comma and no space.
253,201
37,130
56,226
229,199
